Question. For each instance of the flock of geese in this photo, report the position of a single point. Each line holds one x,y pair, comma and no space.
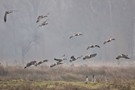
59,61
73,58
39,18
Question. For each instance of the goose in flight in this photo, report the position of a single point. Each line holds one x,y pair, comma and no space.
76,34
122,56
79,57
6,13
72,58
40,17
53,65
40,62
111,39
59,60
30,63
45,60
89,56
93,46
43,24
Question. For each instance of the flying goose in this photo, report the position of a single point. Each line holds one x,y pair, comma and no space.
30,63
40,62
89,56
76,34
53,65
122,56
72,58
43,24
60,60
109,40
79,57
40,17
57,63
6,13
93,46
45,60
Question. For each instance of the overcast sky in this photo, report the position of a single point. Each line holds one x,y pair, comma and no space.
98,20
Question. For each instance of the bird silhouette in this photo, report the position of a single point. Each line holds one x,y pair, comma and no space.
40,62
30,63
53,65
43,24
93,46
107,41
60,60
40,17
72,58
6,13
58,63
45,60
89,56
122,56
76,34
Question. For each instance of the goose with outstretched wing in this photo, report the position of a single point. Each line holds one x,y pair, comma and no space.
53,65
40,17
107,41
122,56
43,24
30,64
6,14
93,46
76,34
72,58
89,56
40,62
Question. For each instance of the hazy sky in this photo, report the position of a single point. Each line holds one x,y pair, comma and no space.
98,20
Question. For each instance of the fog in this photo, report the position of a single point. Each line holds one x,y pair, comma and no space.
22,41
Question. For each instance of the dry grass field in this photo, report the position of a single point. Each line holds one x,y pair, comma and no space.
67,78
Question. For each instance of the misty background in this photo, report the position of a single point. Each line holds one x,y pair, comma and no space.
22,41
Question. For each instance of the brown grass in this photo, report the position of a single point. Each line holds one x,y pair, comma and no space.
67,73
107,78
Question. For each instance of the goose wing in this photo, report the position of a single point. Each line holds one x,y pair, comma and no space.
118,57
5,17
52,65
59,60
30,63
72,58
40,62
93,55
86,57
79,57
45,60
97,46
125,56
